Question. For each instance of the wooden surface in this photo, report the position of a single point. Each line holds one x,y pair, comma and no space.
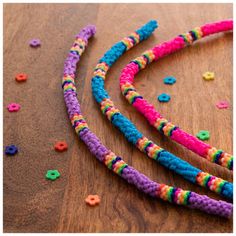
33,204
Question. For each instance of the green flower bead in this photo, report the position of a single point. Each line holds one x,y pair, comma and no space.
203,135
52,174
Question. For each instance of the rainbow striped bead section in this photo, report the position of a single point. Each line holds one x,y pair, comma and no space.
147,146
108,109
130,93
146,58
125,88
101,70
220,157
213,183
68,83
78,46
149,55
174,195
78,123
114,163
164,126
131,40
192,35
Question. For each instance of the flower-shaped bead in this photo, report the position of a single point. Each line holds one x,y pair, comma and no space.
92,200
169,80
21,77
52,174
11,150
163,97
208,75
222,105
34,43
61,146
13,107
203,135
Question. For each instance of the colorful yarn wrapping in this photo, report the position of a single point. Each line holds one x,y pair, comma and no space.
115,163
155,119
132,134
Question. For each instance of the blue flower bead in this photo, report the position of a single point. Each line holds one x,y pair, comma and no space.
169,80
163,97
11,150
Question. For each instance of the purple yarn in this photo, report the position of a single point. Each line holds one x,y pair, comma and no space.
86,33
141,181
211,206
94,145
73,106
131,175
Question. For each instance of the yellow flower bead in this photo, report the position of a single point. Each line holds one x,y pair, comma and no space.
208,75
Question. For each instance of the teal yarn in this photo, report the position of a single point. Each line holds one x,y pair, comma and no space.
179,166
145,31
227,190
130,131
126,127
111,56
98,90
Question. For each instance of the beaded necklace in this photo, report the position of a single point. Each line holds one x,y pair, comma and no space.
132,134
154,117
114,162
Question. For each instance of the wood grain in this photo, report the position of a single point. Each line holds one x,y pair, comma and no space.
32,204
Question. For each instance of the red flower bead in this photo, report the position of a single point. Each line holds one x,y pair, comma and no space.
61,146
21,77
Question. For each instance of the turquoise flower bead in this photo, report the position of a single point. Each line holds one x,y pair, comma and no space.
169,80
163,97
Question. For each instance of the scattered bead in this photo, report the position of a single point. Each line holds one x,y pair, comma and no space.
208,75
222,105
13,107
92,200
163,97
203,135
169,80
35,43
61,146
52,174
11,150
21,77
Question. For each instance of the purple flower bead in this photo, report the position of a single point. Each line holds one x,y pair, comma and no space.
34,43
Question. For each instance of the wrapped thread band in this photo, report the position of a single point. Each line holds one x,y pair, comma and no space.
115,163
132,134
154,117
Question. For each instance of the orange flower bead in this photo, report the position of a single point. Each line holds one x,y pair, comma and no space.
61,146
92,200
21,77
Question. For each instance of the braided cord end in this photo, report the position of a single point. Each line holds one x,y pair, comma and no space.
145,31
86,33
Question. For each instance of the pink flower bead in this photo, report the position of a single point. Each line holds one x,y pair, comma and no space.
222,105
13,107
